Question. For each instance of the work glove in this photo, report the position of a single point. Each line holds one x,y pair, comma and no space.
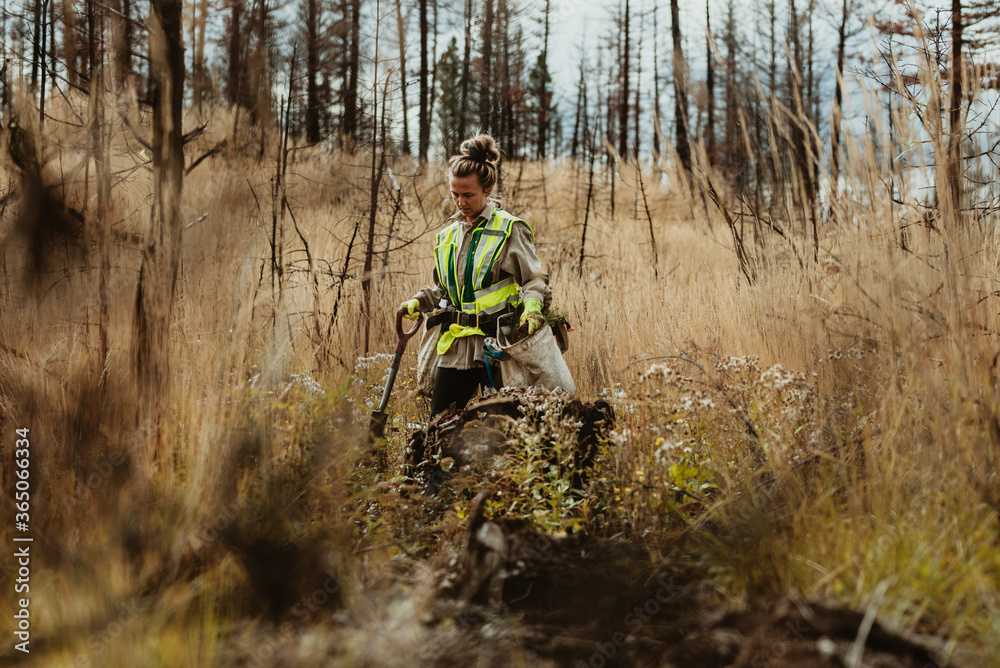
412,307
532,315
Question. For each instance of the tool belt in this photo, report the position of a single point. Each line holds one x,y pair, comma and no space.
450,315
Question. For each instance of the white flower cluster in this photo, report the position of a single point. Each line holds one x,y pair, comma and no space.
663,372
615,392
307,382
365,364
749,364
620,437
699,400
779,380
847,353
661,454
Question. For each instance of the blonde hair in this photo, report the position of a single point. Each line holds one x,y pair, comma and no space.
480,156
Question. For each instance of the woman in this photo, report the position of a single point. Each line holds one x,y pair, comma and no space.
485,266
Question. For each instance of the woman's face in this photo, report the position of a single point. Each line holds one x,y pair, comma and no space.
469,196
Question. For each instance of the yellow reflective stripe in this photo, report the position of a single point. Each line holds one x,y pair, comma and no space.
496,287
447,241
496,300
490,246
497,231
514,219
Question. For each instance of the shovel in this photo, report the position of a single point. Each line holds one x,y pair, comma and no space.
376,429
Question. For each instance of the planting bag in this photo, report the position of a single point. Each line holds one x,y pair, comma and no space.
535,361
427,360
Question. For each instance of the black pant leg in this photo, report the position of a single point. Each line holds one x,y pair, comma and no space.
458,386
454,386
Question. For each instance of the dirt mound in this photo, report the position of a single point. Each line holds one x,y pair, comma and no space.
510,594
475,435
584,601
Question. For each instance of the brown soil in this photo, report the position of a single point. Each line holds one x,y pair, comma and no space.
512,594
584,601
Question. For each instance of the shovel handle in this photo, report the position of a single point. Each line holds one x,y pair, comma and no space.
400,347
405,336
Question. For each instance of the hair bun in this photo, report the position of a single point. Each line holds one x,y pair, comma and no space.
481,148
474,152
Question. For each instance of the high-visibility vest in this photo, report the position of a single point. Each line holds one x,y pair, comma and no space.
488,240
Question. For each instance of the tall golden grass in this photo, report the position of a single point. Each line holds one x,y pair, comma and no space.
867,458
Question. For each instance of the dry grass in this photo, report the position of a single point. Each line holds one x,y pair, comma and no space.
868,456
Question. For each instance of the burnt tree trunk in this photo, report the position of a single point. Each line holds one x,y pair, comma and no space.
463,119
709,89
36,42
638,89
953,163
312,68
625,66
680,91
100,151
401,29
119,26
580,118
838,100
657,149
486,98
350,124
233,78
543,107
161,255
433,56
69,43
423,121
125,57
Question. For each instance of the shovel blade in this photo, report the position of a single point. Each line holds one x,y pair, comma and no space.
376,428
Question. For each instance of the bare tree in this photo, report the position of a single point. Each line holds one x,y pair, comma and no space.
424,115
466,67
313,19
709,87
349,126
37,49
486,91
161,254
401,35
543,106
657,116
952,200
234,70
580,121
680,90
625,66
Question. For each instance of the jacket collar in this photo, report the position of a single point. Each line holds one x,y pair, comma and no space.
480,217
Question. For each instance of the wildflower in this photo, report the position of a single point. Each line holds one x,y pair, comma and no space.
664,450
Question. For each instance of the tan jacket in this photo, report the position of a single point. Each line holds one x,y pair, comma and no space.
518,259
